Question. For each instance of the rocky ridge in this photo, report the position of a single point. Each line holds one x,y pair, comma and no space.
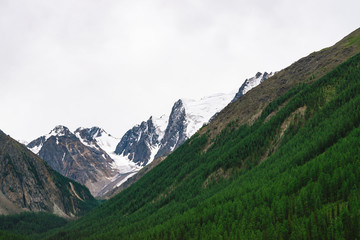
65,153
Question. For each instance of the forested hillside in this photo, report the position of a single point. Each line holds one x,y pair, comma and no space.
292,174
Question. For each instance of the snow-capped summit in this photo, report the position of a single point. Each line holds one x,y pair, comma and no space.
157,137
251,83
78,156
97,135
139,142
59,131
97,138
175,133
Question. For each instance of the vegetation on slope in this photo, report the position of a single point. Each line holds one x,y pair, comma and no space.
28,183
307,69
30,224
292,174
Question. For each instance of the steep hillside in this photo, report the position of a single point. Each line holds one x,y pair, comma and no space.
27,183
289,173
306,70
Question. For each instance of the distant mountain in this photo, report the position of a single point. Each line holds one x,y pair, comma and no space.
83,161
102,162
141,142
250,83
148,144
98,139
27,183
157,137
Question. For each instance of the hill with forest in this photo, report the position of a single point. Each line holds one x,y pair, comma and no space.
281,162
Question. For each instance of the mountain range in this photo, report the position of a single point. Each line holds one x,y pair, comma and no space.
102,162
279,162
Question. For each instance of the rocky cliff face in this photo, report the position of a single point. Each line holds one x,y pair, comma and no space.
175,133
138,143
27,183
65,153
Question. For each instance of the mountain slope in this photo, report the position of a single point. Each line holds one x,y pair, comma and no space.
65,153
291,173
307,69
27,183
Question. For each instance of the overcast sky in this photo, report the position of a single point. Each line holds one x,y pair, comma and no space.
113,63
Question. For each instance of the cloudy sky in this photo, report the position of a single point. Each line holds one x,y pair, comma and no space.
114,63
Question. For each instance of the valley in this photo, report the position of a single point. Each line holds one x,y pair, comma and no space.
277,159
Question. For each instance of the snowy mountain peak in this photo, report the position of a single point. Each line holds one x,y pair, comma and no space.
250,83
96,137
91,133
59,131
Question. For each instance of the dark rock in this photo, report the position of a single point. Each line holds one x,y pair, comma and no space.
138,141
175,133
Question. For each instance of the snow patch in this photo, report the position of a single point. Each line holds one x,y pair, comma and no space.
36,149
23,142
199,112
154,150
85,142
160,124
58,131
123,164
125,179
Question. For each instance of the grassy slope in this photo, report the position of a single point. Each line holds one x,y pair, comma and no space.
298,192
